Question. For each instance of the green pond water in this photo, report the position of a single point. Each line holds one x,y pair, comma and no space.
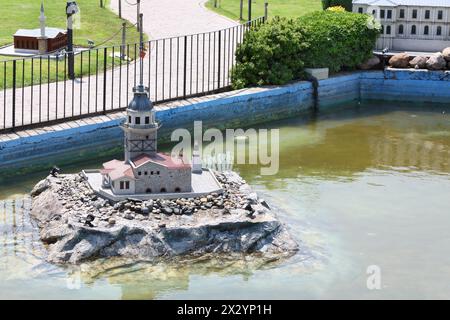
361,186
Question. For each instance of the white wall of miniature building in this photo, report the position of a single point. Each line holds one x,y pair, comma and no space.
155,178
431,25
116,186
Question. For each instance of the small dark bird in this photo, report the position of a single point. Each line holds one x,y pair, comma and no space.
55,171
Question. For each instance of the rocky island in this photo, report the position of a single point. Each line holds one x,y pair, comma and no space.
78,225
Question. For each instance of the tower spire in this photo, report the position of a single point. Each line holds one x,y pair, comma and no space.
42,20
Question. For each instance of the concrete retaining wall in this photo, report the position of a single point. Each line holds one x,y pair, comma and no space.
241,108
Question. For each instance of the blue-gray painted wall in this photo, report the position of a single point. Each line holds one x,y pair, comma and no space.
241,109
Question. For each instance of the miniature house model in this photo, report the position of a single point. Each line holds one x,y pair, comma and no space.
42,40
144,170
410,25
146,173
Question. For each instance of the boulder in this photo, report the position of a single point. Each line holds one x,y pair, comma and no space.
419,62
436,62
399,60
75,236
370,64
446,54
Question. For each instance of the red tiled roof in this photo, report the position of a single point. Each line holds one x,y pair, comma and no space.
162,159
117,169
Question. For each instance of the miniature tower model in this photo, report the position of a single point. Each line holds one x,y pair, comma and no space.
42,40
144,169
140,127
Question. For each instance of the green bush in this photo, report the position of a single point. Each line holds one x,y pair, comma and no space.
278,51
347,4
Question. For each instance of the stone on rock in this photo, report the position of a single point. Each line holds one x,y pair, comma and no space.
40,187
399,60
446,54
419,62
436,62
370,64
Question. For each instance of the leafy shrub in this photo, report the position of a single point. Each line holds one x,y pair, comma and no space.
347,4
278,51
270,54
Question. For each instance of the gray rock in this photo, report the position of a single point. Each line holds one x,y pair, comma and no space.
370,64
436,62
399,60
419,62
40,187
446,54
196,233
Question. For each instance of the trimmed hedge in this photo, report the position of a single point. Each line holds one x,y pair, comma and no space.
347,4
277,52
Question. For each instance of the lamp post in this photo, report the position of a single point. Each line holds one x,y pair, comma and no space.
71,9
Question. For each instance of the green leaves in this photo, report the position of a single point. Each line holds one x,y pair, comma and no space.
278,51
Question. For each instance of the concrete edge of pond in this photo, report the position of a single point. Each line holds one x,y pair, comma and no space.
240,108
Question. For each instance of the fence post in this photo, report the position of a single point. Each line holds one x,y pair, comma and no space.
120,9
138,9
101,3
13,95
184,67
249,10
124,39
266,5
105,60
241,9
218,60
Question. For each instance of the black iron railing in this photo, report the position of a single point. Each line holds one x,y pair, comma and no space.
36,91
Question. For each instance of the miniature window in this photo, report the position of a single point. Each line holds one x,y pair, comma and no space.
145,173
127,184
129,119
177,189
157,172
413,30
147,120
374,12
360,10
148,190
439,31
151,172
414,14
426,30
400,29
382,29
139,173
388,30
440,15
163,189
402,13
382,14
427,14
137,120
389,14
121,185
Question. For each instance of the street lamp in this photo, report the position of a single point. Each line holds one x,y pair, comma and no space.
71,9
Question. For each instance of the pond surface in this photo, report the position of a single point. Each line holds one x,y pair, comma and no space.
361,186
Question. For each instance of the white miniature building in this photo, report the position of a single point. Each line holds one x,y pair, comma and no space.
410,25
144,170
146,173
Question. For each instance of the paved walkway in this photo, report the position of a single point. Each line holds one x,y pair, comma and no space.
163,67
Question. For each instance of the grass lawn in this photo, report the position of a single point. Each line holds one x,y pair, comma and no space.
283,8
95,23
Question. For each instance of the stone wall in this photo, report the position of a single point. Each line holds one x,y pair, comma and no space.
242,108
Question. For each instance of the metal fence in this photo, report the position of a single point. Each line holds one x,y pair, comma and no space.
36,91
